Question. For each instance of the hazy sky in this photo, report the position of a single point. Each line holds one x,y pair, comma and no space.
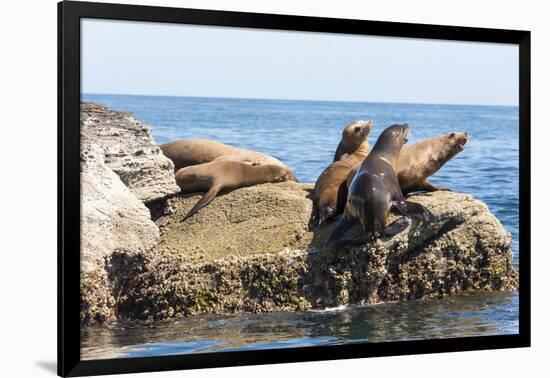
121,57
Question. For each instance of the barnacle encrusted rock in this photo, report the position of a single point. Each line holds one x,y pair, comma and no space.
251,250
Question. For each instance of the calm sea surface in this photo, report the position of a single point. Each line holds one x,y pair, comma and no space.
304,135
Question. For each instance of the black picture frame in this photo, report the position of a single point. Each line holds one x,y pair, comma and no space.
69,15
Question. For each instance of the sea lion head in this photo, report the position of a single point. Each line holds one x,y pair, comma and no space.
453,143
280,174
393,138
356,132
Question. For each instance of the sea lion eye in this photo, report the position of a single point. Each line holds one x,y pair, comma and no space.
452,135
357,129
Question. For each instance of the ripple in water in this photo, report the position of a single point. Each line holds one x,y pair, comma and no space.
459,316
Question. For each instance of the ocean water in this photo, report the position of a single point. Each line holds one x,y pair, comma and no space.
304,135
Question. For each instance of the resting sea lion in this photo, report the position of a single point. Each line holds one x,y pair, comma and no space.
197,151
352,149
374,191
227,175
421,160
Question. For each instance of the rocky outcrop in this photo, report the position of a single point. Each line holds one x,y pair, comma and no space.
129,150
250,250
120,168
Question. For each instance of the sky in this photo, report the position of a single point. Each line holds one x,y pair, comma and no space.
143,58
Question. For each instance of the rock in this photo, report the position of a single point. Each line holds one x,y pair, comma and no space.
113,222
129,150
121,168
250,250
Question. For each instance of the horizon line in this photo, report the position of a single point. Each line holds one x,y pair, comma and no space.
293,99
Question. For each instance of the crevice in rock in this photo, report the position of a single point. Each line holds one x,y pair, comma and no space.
122,271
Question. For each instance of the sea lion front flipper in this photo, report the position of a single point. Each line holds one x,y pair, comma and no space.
343,225
326,213
396,227
314,219
342,243
417,210
205,200
413,209
430,187
342,198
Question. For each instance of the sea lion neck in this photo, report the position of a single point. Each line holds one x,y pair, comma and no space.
388,148
362,149
352,144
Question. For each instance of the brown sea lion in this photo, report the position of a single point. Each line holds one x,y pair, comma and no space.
189,152
226,175
421,160
375,190
352,149
353,137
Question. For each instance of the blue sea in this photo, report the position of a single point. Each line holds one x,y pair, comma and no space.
304,135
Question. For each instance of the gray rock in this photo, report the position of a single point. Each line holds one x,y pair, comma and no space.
113,223
112,218
129,150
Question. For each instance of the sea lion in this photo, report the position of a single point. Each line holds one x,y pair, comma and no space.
226,175
421,160
352,149
189,152
353,136
374,191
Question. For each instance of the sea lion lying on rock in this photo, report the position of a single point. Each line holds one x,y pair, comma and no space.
189,152
328,200
375,190
227,175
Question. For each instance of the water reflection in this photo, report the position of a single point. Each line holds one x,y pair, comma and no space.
459,316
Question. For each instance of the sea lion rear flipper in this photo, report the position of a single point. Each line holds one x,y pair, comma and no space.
343,225
430,187
205,200
396,227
